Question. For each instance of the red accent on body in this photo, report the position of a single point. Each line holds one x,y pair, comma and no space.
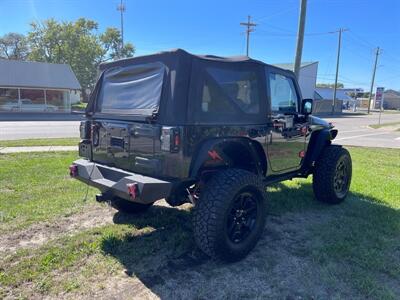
302,153
214,155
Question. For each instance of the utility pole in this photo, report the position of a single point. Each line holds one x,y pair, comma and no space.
373,77
249,29
300,37
121,8
337,67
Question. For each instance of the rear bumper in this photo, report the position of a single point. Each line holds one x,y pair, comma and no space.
114,182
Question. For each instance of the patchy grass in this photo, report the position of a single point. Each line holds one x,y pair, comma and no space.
391,124
362,245
391,111
36,187
40,142
309,250
79,106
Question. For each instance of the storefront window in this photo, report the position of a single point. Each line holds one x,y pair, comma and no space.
32,100
8,99
57,100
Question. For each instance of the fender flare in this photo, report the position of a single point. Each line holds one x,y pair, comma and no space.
211,153
319,140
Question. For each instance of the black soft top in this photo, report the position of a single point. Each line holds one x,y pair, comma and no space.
175,53
184,75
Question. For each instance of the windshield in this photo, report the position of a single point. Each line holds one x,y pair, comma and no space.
131,89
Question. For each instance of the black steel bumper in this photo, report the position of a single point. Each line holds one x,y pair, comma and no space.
115,182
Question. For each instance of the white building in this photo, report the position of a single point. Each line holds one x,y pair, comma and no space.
37,87
307,77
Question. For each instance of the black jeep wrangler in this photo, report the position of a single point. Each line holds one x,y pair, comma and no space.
212,131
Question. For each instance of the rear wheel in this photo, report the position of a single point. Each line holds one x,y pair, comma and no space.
129,207
332,175
229,216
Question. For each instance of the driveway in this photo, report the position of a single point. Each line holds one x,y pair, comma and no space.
354,130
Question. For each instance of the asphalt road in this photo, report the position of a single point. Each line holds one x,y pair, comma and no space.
353,130
38,129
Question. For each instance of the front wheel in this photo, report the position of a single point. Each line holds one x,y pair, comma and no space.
229,216
332,175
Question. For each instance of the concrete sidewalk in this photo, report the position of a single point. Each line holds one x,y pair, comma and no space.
37,149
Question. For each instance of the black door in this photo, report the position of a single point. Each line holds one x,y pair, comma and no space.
286,141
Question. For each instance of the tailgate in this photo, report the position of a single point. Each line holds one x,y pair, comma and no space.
127,145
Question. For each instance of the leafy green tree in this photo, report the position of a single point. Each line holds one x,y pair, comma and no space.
78,44
13,46
330,85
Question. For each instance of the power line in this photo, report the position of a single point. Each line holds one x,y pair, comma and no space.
249,29
271,33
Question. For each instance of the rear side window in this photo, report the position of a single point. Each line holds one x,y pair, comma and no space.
230,92
131,89
283,93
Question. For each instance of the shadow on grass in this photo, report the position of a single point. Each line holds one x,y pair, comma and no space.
355,243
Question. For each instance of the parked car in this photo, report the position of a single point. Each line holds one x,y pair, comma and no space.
211,131
26,105
11,105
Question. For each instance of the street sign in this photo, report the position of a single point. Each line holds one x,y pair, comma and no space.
379,98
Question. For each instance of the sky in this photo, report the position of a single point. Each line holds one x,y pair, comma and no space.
212,27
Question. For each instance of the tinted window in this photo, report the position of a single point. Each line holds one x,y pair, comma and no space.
131,89
283,93
230,91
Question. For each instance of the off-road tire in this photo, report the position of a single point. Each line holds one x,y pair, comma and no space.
129,207
213,211
325,171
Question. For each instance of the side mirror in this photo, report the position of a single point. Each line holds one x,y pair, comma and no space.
306,106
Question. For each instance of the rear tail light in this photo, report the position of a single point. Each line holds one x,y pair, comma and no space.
170,139
133,190
73,170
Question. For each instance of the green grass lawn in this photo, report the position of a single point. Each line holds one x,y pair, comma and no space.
391,111
354,247
37,187
40,142
390,124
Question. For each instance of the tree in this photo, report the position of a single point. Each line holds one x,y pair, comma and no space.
13,46
330,85
78,44
111,40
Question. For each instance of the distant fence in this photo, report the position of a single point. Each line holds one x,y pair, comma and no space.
325,106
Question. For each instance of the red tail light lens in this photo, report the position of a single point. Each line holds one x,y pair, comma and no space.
73,170
133,190
176,140
170,139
